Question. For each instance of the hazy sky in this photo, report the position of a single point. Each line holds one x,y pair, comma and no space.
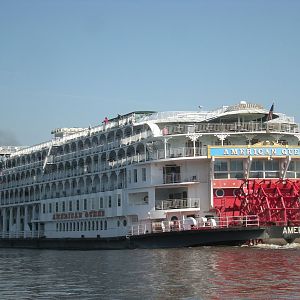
67,63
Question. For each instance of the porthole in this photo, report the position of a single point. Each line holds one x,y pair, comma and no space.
236,192
220,193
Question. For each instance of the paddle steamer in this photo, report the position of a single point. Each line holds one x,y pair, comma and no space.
156,179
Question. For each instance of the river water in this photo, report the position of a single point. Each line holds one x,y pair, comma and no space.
266,272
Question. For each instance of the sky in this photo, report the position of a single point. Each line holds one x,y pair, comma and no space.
70,63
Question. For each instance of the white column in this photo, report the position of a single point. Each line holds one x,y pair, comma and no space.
32,221
165,146
18,222
194,137
10,220
4,222
25,219
39,228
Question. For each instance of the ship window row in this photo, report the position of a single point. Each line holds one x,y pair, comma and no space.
83,204
87,225
271,168
137,176
82,226
75,186
109,140
37,176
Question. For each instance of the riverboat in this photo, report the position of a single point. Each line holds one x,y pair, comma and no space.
154,180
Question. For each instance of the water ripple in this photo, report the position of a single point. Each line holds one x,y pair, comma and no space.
263,272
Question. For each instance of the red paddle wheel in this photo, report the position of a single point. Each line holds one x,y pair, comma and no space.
275,202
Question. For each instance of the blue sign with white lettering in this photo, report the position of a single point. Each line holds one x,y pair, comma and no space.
253,151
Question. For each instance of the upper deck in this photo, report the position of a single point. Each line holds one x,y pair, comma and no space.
145,136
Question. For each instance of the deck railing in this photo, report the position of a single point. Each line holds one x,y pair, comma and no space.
177,203
231,127
22,234
194,224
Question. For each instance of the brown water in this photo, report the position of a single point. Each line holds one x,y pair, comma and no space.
192,273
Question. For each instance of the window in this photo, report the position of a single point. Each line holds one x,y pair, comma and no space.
50,208
272,168
63,206
171,174
291,170
220,169
119,200
220,193
70,206
84,204
256,170
144,174
257,165
109,201
272,165
292,166
101,202
135,176
44,208
236,165
77,205
236,168
129,176
221,175
56,206
220,165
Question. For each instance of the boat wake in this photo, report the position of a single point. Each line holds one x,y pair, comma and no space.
281,247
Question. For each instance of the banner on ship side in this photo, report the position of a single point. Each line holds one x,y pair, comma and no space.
244,151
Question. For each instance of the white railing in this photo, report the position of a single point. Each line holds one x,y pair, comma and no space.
182,128
195,224
10,149
21,234
177,152
177,203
